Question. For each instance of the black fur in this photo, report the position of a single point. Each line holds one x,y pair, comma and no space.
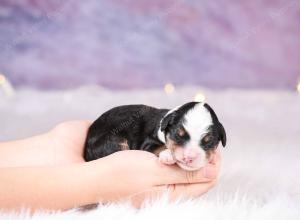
217,127
136,125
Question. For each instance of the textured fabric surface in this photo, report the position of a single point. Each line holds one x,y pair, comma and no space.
259,178
59,44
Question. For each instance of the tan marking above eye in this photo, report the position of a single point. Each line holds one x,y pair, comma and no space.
124,145
207,138
181,132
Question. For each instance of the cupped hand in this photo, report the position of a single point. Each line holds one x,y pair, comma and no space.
137,174
141,176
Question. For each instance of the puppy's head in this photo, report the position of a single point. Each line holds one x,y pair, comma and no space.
192,132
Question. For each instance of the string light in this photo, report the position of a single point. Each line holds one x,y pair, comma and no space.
2,79
169,88
298,87
199,97
6,86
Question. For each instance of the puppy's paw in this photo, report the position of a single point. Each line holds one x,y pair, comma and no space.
166,157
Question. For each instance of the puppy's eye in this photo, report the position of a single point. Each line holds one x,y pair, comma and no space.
208,139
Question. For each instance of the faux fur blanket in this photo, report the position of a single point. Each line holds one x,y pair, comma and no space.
260,167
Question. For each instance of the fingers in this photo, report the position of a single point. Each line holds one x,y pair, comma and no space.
144,171
173,192
216,157
161,174
189,190
176,175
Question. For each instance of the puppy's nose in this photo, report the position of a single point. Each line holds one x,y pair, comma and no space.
188,160
190,155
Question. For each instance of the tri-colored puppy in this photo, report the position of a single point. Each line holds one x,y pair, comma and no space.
186,135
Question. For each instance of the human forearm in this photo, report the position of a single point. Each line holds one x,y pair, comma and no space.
56,147
33,151
50,188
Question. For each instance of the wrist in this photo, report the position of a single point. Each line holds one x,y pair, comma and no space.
111,180
100,182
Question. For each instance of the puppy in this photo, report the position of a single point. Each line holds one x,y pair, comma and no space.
186,135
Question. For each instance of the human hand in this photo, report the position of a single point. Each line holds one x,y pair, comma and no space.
138,175
68,140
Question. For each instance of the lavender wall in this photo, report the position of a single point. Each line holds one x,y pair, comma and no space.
131,44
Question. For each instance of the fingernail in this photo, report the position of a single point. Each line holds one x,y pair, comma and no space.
209,173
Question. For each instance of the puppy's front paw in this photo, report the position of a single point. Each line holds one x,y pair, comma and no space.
166,157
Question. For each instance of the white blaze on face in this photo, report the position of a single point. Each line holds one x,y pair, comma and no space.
196,122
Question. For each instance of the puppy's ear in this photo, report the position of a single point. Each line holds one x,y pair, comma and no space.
167,121
222,135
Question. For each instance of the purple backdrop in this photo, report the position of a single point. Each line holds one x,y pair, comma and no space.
130,44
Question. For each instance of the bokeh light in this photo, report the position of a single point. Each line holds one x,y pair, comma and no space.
2,79
169,88
298,87
199,97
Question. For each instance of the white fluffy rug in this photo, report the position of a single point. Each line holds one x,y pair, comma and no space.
260,170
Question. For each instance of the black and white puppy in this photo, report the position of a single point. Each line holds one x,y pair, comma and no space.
186,135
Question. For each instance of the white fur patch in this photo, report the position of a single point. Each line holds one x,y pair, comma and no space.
197,121
161,136
173,110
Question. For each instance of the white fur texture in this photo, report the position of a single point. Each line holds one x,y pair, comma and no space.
260,168
161,136
197,121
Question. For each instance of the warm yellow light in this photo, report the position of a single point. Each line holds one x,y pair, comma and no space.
298,87
169,88
199,97
2,79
